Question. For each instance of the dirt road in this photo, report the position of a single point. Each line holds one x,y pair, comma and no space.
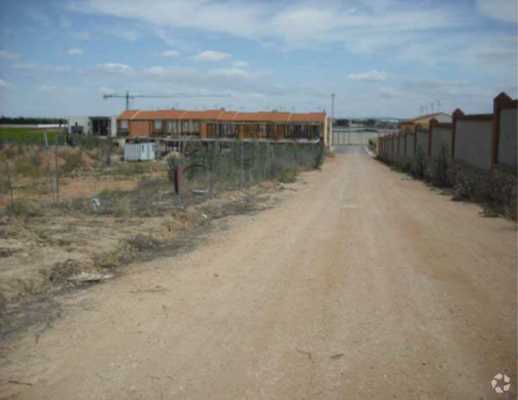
360,284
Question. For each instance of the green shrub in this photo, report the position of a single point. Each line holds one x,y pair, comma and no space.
420,163
86,142
26,167
24,208
441,166
287,176
131,168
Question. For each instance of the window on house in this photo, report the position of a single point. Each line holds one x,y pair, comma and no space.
124,124
158,124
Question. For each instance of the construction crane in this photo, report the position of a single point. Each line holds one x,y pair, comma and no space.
129,96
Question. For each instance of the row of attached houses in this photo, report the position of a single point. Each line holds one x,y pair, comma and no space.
222,124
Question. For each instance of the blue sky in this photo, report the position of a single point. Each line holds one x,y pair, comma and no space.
380,57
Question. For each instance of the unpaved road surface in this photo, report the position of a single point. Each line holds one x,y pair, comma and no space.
360,284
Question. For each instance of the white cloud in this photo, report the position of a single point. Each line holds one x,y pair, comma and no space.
169,72
105,90
3,84
83,35
99,33
64,22
47,88
156,71
389,93
170,53
125,34
240,64
114,68
505,10
38,16
298,23
305,23
370,76
7,55
47,68
211,55
74,52
233,72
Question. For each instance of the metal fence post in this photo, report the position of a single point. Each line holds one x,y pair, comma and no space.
10,187
241,165
56,172
265,160
178,179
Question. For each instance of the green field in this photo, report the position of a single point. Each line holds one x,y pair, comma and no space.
28,136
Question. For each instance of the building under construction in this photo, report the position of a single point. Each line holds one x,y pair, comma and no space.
214,124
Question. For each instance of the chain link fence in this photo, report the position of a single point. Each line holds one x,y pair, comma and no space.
47,175
207,167
37,163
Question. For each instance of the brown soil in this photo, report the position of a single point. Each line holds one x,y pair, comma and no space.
361,284
39,254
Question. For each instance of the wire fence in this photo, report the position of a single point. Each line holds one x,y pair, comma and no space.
213,166
38,163
45,172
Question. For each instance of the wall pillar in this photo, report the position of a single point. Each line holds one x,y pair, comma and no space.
458,113
416,128
433,123
499,102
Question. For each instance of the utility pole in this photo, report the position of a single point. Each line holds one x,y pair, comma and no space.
127,100
332,119
333,105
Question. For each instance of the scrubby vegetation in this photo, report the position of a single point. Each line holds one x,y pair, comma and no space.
495,190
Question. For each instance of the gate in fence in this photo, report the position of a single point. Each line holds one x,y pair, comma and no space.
354,137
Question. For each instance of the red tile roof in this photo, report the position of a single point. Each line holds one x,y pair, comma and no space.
223,115
129,114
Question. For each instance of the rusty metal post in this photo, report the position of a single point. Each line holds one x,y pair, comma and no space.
178,180
56,171
241,164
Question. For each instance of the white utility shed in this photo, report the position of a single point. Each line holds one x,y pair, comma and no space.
140,151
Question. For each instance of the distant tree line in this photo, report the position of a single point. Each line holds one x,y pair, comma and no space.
31,121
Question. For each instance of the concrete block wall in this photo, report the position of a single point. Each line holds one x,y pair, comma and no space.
410,146
390,148
422,140
401,148
508,124
483,141
473,141
394,155
398,142
395,141
441,138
